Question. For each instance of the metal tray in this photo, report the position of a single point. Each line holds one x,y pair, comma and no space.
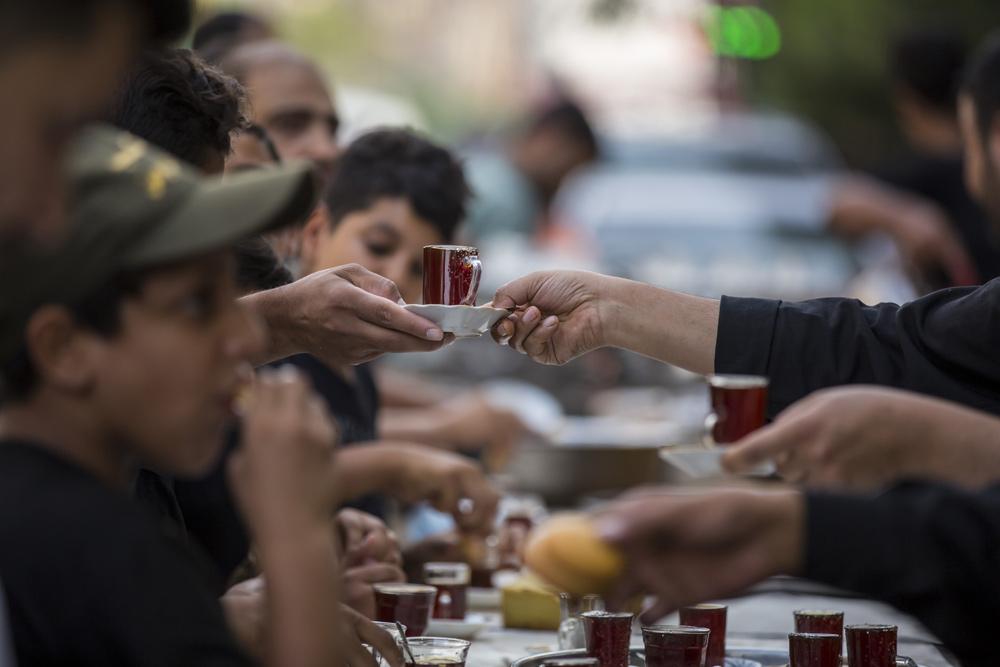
637,658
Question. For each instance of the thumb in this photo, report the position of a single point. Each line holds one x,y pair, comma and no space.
370,282
516,293
766,443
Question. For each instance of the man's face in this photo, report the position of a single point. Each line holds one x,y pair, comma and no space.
981,158
167,381
290,101
51,87
388,238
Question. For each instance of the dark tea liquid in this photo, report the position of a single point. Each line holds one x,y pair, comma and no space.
871,645
675,646
451,602
451,275
806,649
608,637
740,409
823,622
403,603
713,617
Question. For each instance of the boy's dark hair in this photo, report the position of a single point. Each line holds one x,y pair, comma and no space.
258,267
928,62
569,119
399,163
99,311
174,100
982,85
23,21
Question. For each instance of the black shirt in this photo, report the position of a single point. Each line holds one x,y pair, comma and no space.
92,578
944,344
940,179
929,550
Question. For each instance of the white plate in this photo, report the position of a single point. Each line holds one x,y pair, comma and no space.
484,598
702,462
467,629
463,321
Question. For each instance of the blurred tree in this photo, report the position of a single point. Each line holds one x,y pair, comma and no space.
832,65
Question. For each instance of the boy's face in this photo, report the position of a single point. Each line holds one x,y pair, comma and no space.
50,88
387,238
167,381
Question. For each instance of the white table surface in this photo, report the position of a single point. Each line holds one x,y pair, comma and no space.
757,621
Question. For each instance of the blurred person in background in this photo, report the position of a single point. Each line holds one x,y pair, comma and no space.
59,63
223,32
514,185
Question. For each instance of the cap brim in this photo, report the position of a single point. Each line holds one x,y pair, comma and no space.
218,213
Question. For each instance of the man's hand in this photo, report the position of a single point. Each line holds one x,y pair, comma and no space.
245,607
868,437
359,581
366,539
928,242
358,630
686,547
344,315
283,475
471,423
559,316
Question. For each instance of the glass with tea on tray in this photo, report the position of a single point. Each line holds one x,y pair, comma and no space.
675,645
871,645
713,617
607,636
410,604
436,652
452,582
814,649
739,407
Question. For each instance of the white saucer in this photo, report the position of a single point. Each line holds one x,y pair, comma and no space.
701,462
463,321
465,629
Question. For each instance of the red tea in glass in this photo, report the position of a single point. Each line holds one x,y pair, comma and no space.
436,652
812,649
410,604
452,582
713,617
608,636
871,645
451,274
739,406
675,645
820,621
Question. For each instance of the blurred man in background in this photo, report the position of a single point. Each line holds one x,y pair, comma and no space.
59,63
514,186
225,31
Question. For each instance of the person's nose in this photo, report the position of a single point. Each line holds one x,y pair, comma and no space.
321,146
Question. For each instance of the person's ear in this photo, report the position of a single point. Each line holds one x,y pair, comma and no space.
61,352
313,233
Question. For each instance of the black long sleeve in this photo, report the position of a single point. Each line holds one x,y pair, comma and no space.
930,550
944,344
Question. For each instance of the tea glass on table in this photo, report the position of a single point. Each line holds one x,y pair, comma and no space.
813,649
675,645
713,617
393,632
822,621
451,275
871,645
436,652
452,583
739,407
410,604
571,633
607,636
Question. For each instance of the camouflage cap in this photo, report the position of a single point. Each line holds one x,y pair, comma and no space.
134,206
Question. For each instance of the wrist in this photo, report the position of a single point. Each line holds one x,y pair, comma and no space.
276,308
617,308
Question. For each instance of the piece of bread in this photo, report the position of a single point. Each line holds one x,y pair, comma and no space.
528,604
566,552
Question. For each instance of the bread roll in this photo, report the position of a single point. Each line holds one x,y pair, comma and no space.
566,552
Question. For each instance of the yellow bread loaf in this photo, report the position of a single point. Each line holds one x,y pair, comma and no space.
528,605
566,552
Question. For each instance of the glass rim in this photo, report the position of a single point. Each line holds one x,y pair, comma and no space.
871,627
665,628
442,642
596,613
447,246
813,635
817,612
737,381
705,606
403,589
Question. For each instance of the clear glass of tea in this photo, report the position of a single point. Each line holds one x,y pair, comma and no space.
675,645
739,407
393,632
452,583
871,645
814,649
713,617
607,636
436,652
410,604
451,275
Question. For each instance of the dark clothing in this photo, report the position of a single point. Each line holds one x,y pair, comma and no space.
929,550
92,578
353,404
943,344
940,179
